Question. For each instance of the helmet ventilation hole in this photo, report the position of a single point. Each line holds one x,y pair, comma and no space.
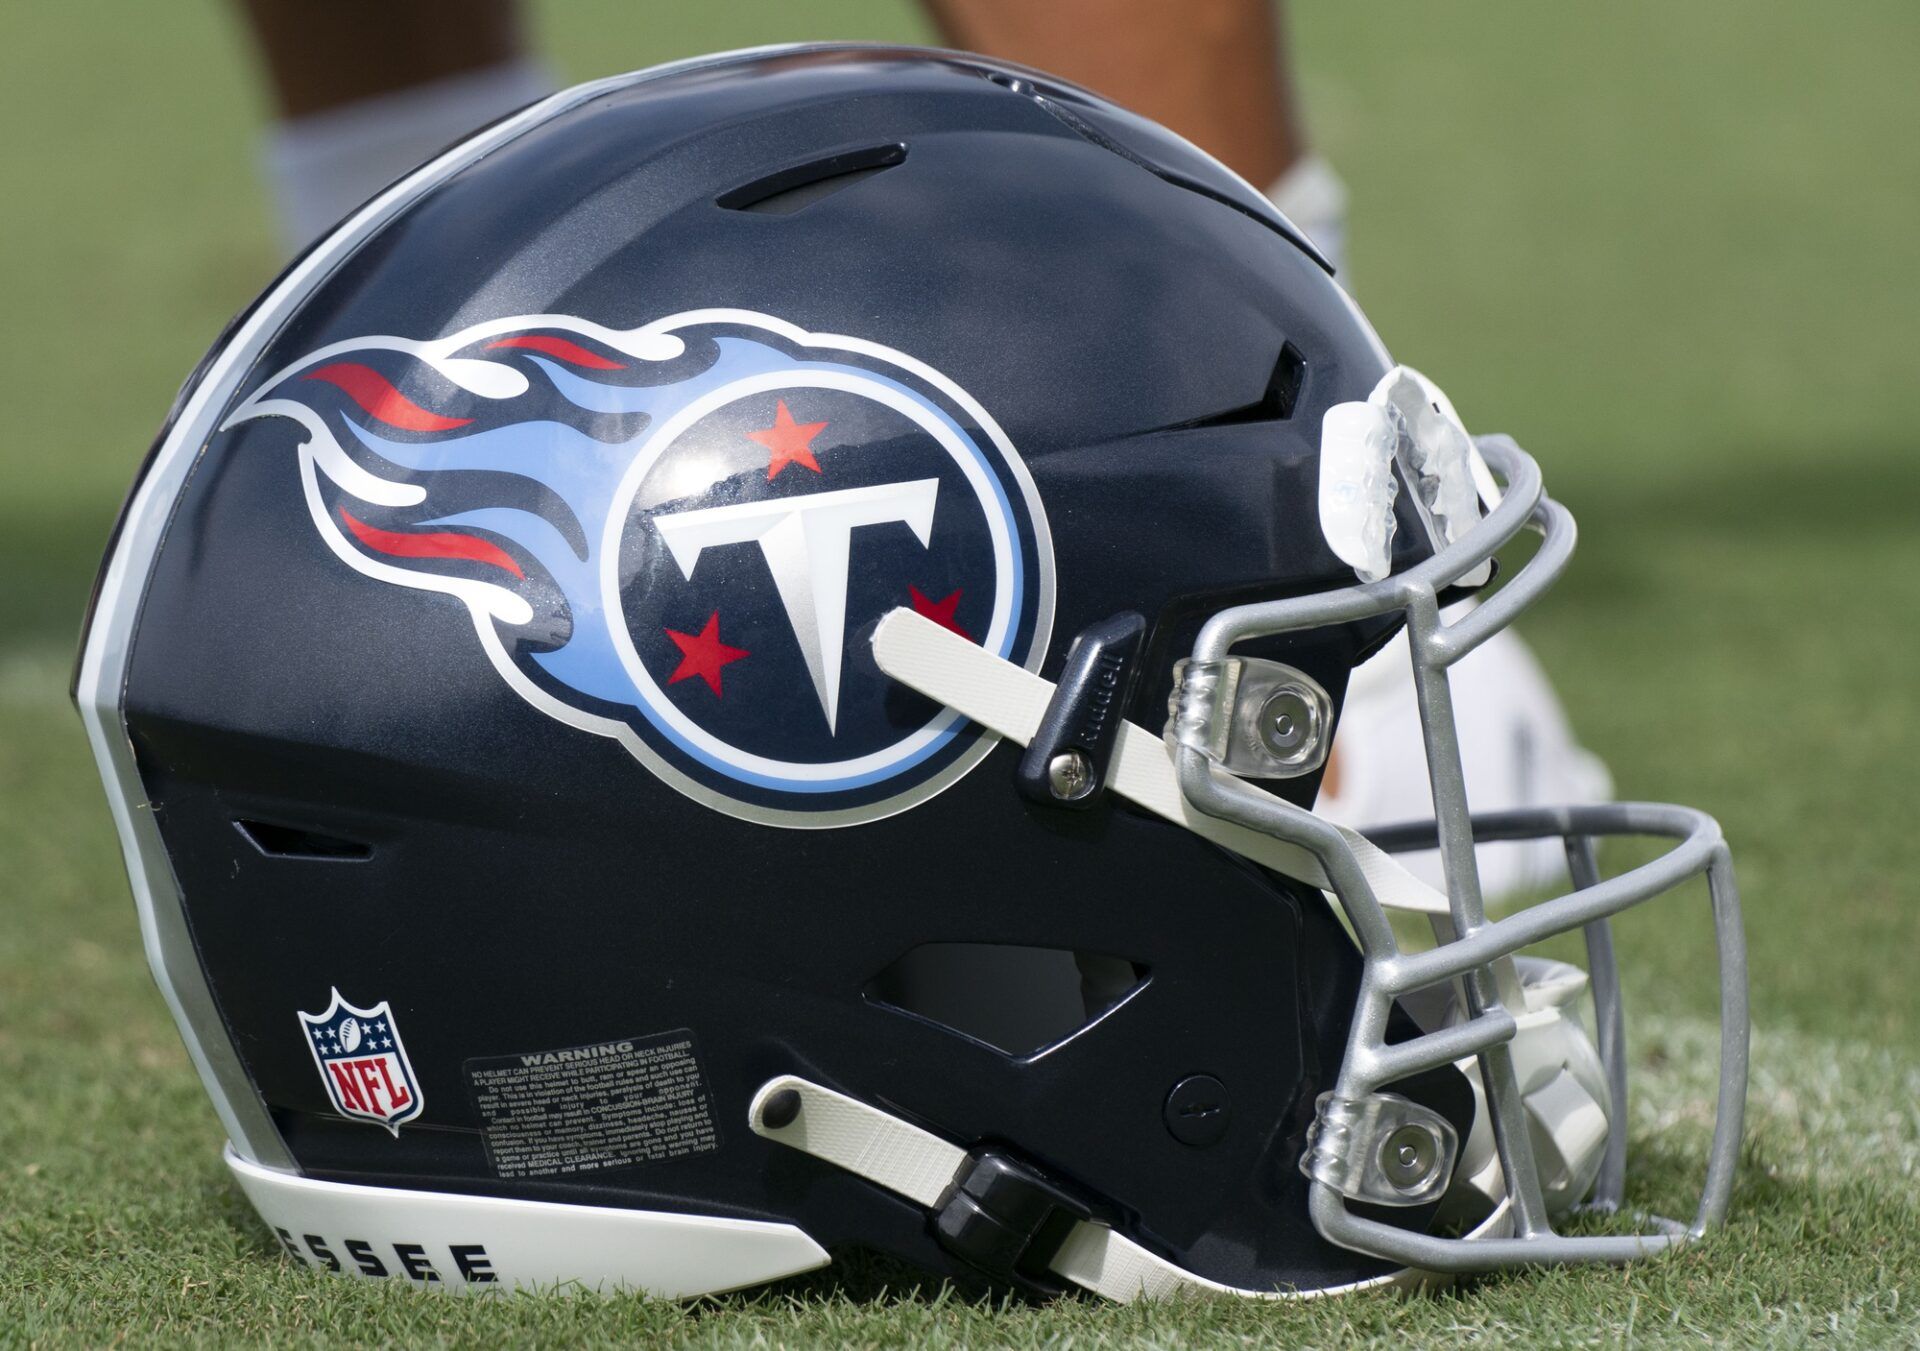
1283,387
1018,1000
789,190
1276,404
278,841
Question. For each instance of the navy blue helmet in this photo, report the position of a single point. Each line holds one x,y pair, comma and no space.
737,669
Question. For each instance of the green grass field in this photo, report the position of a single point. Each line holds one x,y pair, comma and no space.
1674,249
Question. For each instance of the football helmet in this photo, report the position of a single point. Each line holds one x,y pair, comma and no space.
738,667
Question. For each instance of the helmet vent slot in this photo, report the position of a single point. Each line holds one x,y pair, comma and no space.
278,841
1282,396
789,190
1283,387
1018,1000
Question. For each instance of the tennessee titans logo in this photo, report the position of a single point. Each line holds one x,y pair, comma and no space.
681,536
363,1063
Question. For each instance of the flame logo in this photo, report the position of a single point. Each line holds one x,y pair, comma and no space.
496,465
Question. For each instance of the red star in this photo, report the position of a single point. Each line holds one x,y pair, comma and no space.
939,611
789,441
704,655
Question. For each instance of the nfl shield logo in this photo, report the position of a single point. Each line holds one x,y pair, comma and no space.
363,1063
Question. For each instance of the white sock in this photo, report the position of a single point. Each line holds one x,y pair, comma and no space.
322,166
1312,196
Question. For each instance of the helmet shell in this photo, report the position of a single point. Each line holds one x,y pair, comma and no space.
351,796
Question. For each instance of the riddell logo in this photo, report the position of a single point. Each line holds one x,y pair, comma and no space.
1099,705
363,1063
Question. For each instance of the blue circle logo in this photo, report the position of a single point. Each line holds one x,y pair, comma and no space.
724,507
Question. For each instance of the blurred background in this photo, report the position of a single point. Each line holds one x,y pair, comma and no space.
1675,250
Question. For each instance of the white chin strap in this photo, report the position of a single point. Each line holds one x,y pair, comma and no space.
1011,700
922,1167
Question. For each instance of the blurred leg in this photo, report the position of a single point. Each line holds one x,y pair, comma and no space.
324,55
1216,71
1213,70
366,89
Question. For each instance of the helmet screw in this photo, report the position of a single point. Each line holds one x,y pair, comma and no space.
1409,1156
1198,1110
1289,725
1070,776
781,1109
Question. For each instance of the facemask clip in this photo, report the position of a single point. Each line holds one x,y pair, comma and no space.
1383,1149
1256,718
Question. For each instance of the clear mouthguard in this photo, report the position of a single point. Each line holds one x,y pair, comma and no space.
1438,447
1357,486
1407,419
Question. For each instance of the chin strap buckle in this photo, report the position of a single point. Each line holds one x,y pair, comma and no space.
1067,761
987,1208
1007,1219
1013,701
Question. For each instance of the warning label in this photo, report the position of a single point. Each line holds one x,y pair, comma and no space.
584,1109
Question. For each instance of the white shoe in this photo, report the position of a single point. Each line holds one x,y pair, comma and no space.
1516,750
